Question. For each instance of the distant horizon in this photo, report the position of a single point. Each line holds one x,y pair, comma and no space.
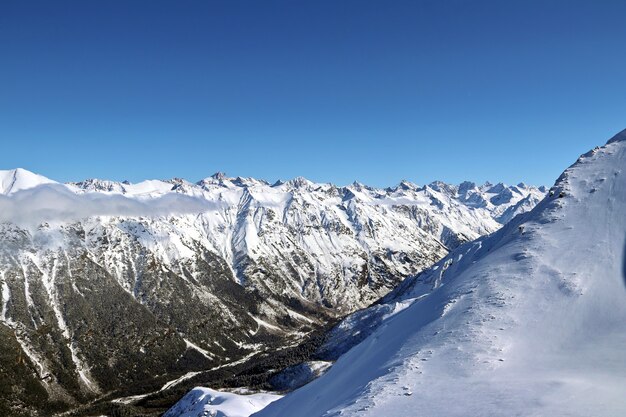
272,182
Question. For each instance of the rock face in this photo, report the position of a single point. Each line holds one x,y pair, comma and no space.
107,285
527,321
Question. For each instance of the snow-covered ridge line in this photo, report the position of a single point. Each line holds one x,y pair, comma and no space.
26,197
19,179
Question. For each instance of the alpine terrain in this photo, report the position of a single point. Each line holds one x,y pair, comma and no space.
530,320
110,291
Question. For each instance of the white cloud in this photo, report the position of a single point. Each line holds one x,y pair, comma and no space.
48,203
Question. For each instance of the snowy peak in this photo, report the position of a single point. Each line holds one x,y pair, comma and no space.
99,186
20,179
444,187
299,183
148,188
407,186
219,179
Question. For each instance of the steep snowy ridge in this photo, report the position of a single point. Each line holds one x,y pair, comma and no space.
211,272
528,321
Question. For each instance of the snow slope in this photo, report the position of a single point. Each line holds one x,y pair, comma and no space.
205,402
528,321
20,179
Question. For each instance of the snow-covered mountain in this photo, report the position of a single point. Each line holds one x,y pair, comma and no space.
528,321
106,285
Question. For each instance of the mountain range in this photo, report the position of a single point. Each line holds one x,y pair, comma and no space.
111,288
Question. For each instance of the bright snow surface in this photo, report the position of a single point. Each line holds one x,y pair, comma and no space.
205,402
20,179
528,321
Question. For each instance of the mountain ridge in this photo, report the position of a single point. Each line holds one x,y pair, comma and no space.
212,273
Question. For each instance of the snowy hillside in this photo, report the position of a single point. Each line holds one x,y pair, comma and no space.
211,273
205,402
19,179
528,321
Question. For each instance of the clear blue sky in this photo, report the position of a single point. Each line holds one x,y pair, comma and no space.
376,91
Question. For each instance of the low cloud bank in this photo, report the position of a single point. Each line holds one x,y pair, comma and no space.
49,203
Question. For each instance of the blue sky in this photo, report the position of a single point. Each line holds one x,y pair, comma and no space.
375,91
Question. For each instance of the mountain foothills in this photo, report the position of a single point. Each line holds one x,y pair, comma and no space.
530,320
110,288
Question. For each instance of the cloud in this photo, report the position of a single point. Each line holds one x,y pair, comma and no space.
54,202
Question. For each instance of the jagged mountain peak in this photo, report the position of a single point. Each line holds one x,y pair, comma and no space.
496,188
407,186
219,175
299,183
358,185
220,179
249,182
443,187
98,185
